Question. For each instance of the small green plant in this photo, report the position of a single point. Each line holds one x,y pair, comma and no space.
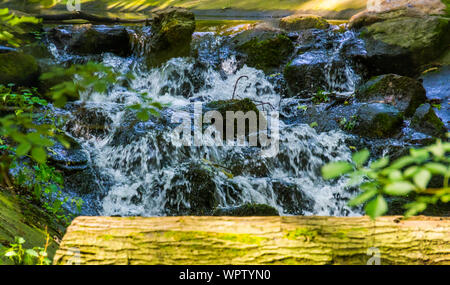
147,108
320,97
410,173
304,108
21,256
348,125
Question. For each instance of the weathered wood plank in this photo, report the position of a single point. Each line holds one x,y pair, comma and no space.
255,240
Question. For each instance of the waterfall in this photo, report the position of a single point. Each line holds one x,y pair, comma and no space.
144,174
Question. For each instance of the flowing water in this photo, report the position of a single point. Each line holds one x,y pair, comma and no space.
140,172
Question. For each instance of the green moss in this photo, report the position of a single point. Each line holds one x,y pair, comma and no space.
235,105
201,236
18,68
303,22
22,219
303,233
269,53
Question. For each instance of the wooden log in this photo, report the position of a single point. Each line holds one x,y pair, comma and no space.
78,15
255,240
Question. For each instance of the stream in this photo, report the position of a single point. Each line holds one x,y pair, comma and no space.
133,169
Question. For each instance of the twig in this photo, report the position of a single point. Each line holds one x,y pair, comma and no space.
235,84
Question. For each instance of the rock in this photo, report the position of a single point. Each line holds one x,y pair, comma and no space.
292,199
89,123
244,105
381,10
172,30
405,93
426,121
247,210
378,120
305,74
322,64
401,43
18,68
193,191
303,22
70,159
89,39
263,48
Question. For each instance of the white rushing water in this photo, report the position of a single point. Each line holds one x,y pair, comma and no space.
144,174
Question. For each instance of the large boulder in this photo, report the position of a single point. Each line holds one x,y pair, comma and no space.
401,38
405,93
426,121
263,48
18,68
172,30
88,39
378,120
303,22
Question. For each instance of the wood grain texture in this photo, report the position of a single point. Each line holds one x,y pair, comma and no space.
255,240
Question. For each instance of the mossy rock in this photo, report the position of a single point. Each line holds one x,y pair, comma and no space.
378,121
172,30
405,93
303,22
266,50
426,121
235,105
193,193
18,68
101,39
20,218
402,45
247,210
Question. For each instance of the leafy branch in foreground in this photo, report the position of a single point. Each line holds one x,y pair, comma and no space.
408,174
11,27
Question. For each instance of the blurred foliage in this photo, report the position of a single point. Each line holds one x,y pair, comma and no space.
11,26
410,173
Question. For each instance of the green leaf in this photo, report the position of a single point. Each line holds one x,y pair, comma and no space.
362,198
336,169
436,168
10,254
31,252
143,115
20,240
422,178
380,163
23,149
399,188
359,158
395,175
39,154
377,207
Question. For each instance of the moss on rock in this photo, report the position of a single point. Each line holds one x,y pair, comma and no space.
20,218
172,34
265,50
378,121
303,22
401,45
425,120
18,68
405,93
